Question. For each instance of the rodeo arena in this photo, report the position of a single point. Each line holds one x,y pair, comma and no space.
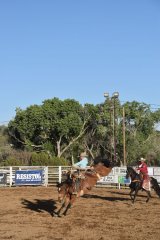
30,208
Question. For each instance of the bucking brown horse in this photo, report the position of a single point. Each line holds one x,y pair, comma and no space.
66,189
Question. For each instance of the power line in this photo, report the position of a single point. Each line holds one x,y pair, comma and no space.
150,104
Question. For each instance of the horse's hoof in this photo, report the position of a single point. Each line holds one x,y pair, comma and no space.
54,215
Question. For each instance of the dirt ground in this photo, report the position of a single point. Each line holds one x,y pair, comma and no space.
103,214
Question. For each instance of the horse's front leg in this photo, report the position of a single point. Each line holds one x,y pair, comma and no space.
148,196
131,194
56,214
135,195
62,201
67,208
63,210
70,204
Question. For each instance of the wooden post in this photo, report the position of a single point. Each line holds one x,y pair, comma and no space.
124,139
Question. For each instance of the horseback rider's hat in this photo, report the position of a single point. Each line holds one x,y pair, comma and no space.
142,159
83,154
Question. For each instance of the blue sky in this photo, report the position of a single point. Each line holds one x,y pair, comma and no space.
79,50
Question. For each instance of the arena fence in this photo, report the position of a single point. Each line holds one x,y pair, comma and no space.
50,175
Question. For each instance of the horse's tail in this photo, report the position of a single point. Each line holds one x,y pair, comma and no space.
155,186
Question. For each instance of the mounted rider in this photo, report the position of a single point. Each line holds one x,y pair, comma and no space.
143,171
80,167
82,164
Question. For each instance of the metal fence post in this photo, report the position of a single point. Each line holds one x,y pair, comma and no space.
60,174
46,176
10,176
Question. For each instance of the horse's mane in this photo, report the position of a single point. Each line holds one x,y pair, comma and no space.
133,171
104,161
129,168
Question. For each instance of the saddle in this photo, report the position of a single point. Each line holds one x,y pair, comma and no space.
76,177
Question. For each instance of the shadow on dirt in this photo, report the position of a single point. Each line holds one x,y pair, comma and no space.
106,198
141,193
119,193
40,205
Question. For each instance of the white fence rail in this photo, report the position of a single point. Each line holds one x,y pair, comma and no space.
53,174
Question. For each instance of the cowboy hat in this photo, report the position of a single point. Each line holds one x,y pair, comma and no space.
142,159
83,154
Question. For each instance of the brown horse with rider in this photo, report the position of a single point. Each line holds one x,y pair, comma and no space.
88,179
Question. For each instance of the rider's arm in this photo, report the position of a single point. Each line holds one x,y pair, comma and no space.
83,163
140,167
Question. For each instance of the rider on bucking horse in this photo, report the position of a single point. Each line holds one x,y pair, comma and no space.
80,166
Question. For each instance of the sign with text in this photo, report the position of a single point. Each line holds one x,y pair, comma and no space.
28,177
156,171
107,179
150,171
123,180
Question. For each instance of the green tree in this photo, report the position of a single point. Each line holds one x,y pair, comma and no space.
65,128
55,123
140,122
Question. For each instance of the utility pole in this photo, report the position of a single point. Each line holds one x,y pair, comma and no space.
112,101
114,130
124,139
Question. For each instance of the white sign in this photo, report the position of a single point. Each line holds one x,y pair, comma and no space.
107,179
150,171
120,170
156,170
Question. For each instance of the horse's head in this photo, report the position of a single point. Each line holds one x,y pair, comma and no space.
130,172
62,188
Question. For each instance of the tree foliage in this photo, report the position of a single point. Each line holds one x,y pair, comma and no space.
52,127
58,130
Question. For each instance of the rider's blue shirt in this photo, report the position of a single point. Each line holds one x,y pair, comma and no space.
82,164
